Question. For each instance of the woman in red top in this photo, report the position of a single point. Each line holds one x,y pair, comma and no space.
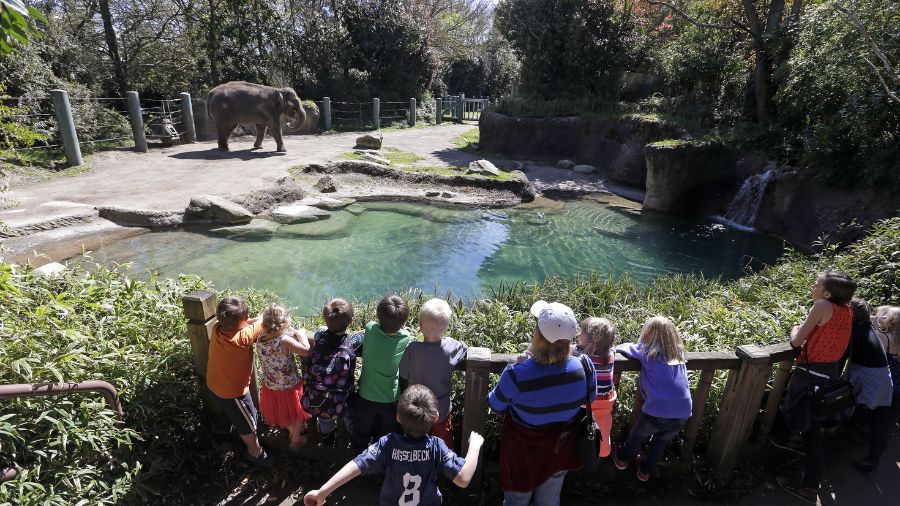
822,338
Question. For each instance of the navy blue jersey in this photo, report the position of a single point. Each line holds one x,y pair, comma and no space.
410,466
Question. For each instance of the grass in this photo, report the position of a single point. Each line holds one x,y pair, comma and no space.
405,161
468,141
670,143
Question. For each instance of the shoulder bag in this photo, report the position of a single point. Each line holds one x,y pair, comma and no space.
588,439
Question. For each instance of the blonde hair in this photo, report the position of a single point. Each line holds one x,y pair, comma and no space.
661,340
275,320
546,353
434,317
887,320
601,334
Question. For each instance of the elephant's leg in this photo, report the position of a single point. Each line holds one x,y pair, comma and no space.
260,134
275,129
224,133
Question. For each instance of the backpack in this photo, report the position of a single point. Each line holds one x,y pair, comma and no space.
328,381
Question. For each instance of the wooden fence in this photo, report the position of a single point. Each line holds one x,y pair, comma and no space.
741,409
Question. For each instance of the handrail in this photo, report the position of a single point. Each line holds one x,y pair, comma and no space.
31,390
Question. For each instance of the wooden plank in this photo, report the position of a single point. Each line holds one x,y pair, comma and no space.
701,394
697,361
199,305
475,407
782,375
200,334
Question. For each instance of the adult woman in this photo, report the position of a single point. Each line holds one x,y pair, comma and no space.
540,398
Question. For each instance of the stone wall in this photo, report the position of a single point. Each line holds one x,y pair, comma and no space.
613,145
688,178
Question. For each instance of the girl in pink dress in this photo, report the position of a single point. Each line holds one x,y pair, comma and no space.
282,388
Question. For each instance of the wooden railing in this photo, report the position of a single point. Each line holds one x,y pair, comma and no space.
749,367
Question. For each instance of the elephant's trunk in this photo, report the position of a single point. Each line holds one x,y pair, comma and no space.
297,119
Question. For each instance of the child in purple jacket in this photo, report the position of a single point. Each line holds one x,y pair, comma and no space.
667,395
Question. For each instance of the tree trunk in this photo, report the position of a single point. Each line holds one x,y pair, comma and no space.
112,45
762,70
212,43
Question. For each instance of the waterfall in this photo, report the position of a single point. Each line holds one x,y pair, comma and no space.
743,208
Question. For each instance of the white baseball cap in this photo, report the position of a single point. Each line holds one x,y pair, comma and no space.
555,321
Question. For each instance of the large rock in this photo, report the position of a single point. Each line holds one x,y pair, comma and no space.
141,217
372,157
285,190
686,178
298,213
326,185
369,141
609,144
483,167
217,210
50,270
327,203
256,229
584,169
565,164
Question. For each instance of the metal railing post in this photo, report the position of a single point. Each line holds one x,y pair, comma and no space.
460,109
412,112
187,116
376,113
137,121
67,127
439,110
326,112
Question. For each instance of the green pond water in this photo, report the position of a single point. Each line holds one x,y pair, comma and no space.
370,249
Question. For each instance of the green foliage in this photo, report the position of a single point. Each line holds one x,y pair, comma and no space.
16,25
468,141
13,131
567,48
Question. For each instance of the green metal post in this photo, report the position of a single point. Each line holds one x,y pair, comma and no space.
412,112
137,121
326,112
66,127
439,110
187,116
376,113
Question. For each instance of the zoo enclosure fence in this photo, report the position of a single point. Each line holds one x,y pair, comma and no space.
755,379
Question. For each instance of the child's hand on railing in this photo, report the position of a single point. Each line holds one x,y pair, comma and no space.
475,439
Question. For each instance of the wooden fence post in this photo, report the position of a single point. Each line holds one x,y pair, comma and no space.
438,110
326,112
67,127
137,121
701,394
739,409
460,108
412,112
782,375
187,117
376,113
475,406
200,310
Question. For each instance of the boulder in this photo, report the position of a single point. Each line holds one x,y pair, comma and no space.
483,167
584,169
285,190
50,270
369,141
372,157
432,193
141,217
298,213
256,229
565,164
326,185
688,178
448,195
217,210
327,203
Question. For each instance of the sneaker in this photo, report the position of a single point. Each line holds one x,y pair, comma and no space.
863,466
789,444
329,441
641,475
262,461
621,465
799,490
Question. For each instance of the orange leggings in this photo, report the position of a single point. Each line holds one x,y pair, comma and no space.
602,409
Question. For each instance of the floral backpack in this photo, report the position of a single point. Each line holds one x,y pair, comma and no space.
328,380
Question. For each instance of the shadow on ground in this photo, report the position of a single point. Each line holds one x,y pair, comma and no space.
217,154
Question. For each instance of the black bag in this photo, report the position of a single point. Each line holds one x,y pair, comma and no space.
832,397
588,441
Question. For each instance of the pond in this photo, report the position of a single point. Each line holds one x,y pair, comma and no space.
372,248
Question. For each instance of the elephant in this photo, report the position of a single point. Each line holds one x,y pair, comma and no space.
238,102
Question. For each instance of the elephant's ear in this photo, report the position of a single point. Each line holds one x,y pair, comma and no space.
281,100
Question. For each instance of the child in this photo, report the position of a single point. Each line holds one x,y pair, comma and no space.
409,460
667,395
228,370
887,325
329,376
822,338
431,362
279,398
596,341
375,409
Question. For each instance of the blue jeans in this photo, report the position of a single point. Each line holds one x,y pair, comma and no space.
661,432
545,494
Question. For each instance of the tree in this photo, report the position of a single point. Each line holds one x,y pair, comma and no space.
15,23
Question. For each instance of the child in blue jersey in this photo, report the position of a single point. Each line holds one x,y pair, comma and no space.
667,395
410,461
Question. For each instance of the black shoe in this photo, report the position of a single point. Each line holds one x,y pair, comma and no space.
788,444
863,465
329,441
262,461
799,490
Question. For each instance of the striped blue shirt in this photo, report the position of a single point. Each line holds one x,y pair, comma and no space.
542,395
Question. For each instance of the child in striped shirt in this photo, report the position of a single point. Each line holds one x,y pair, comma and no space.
596,341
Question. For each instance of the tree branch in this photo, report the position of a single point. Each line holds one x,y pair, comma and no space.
861,28
893,96
735,24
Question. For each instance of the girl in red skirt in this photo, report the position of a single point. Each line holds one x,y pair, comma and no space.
282,388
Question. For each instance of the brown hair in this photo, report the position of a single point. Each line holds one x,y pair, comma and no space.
392,312
417,410
839,285
601,334
887,320
546,353
231,311
662,341
275,320
860,310
338,315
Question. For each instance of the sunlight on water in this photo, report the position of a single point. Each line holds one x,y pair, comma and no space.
370,249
